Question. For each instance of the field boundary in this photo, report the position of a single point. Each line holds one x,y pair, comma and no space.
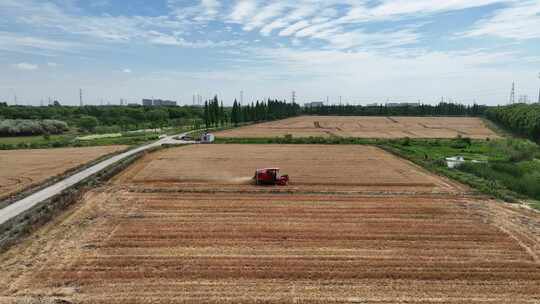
23,224
31,189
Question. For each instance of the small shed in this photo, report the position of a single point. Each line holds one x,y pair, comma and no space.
454,162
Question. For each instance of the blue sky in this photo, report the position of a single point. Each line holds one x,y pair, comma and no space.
363,50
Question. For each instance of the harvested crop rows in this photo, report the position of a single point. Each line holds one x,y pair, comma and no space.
24,168
168,231
311,167
367,127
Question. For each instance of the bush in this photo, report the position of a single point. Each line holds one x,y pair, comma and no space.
516,150
88,123
27,127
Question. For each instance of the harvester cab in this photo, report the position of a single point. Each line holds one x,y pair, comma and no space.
270,176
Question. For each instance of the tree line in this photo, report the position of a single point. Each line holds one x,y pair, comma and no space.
107,117
522,119
442,109
263,111
216,115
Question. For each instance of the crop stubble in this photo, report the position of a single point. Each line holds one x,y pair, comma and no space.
20,169
134,242
366,127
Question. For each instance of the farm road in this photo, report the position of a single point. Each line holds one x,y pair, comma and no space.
27,203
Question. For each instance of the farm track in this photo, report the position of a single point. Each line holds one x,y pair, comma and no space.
177,241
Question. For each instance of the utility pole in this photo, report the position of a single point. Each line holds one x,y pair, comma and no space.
293,97
513,94
80,98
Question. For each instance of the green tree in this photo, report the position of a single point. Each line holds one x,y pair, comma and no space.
158,117
88,123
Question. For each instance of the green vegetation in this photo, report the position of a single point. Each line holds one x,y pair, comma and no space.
99,136
216,115
289,139
25,127
81,124
91,118
263,111
522,119
71,140
88,123
507,168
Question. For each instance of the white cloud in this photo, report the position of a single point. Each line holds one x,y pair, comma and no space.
127,71
242,10
26,44
52,64
520,21
392,9
104,27
294,28
211,6
170,40
265,14
24,66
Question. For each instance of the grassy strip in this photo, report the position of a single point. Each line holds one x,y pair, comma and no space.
492,188
63,141
301,140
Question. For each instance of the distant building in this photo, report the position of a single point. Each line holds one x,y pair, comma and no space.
314,104
158,103
147,102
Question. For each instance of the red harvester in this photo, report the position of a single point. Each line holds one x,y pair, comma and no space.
270,176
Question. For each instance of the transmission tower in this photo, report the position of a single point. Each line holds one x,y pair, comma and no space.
80,98
293,97
513,94
241,97
538,89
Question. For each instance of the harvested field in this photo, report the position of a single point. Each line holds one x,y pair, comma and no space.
366,127
311,168
25,168
133,247
168,231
